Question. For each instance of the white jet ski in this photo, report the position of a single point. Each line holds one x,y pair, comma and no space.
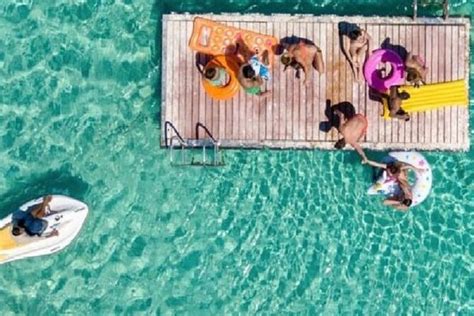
65,215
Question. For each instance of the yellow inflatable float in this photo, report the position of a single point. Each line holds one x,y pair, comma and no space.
432,96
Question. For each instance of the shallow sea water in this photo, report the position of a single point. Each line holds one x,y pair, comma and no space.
271,232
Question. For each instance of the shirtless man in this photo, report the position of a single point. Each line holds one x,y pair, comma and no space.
416,70
303,56
358,44
395,99
31,222
352,130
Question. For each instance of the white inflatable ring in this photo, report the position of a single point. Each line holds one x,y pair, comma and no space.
421,188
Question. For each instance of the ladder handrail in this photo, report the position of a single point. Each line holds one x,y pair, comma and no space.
445,9
169,124
199,124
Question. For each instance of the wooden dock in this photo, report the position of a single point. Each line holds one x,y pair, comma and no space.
291,116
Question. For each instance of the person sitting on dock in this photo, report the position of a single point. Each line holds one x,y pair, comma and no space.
359,41
395,99
217,76
30,221
303,55
352,130
253,74
416,70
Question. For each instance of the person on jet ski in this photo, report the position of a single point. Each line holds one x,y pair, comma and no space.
30,220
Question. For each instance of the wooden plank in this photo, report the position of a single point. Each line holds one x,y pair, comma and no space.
331,29
187,78
177,74
418,135
442,69
285,107
405,41
437,129
167,63
427,51
313,90
321,89
373,107
277,121
463,113
394,125
296,96
385,129
329,54
305,106
434,62
164,85
270,102
289,89
454,76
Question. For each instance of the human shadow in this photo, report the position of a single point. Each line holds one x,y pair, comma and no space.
59,181
333,120
399,49
287,41
201,61
344,29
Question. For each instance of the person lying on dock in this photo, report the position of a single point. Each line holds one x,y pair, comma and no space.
395,99
303,56
416,70
355,46
352,130
253,74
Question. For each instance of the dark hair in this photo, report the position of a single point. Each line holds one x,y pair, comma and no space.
354,34
412,74
393,167
16,231
407,202
285,59
404,95
340,143
248,71
210,72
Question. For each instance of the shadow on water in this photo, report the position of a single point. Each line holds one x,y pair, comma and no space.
59,181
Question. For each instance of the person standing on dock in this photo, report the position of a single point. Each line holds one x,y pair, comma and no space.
352,131
355,46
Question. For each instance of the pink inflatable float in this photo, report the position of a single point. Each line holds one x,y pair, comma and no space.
377,61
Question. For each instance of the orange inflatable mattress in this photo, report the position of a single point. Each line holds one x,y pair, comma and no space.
214,38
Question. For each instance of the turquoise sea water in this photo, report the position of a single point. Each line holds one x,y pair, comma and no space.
271,232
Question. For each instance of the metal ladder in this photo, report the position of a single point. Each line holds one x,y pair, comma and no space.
195,151
445,4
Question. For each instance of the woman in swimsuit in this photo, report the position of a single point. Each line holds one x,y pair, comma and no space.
356,50
416,70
